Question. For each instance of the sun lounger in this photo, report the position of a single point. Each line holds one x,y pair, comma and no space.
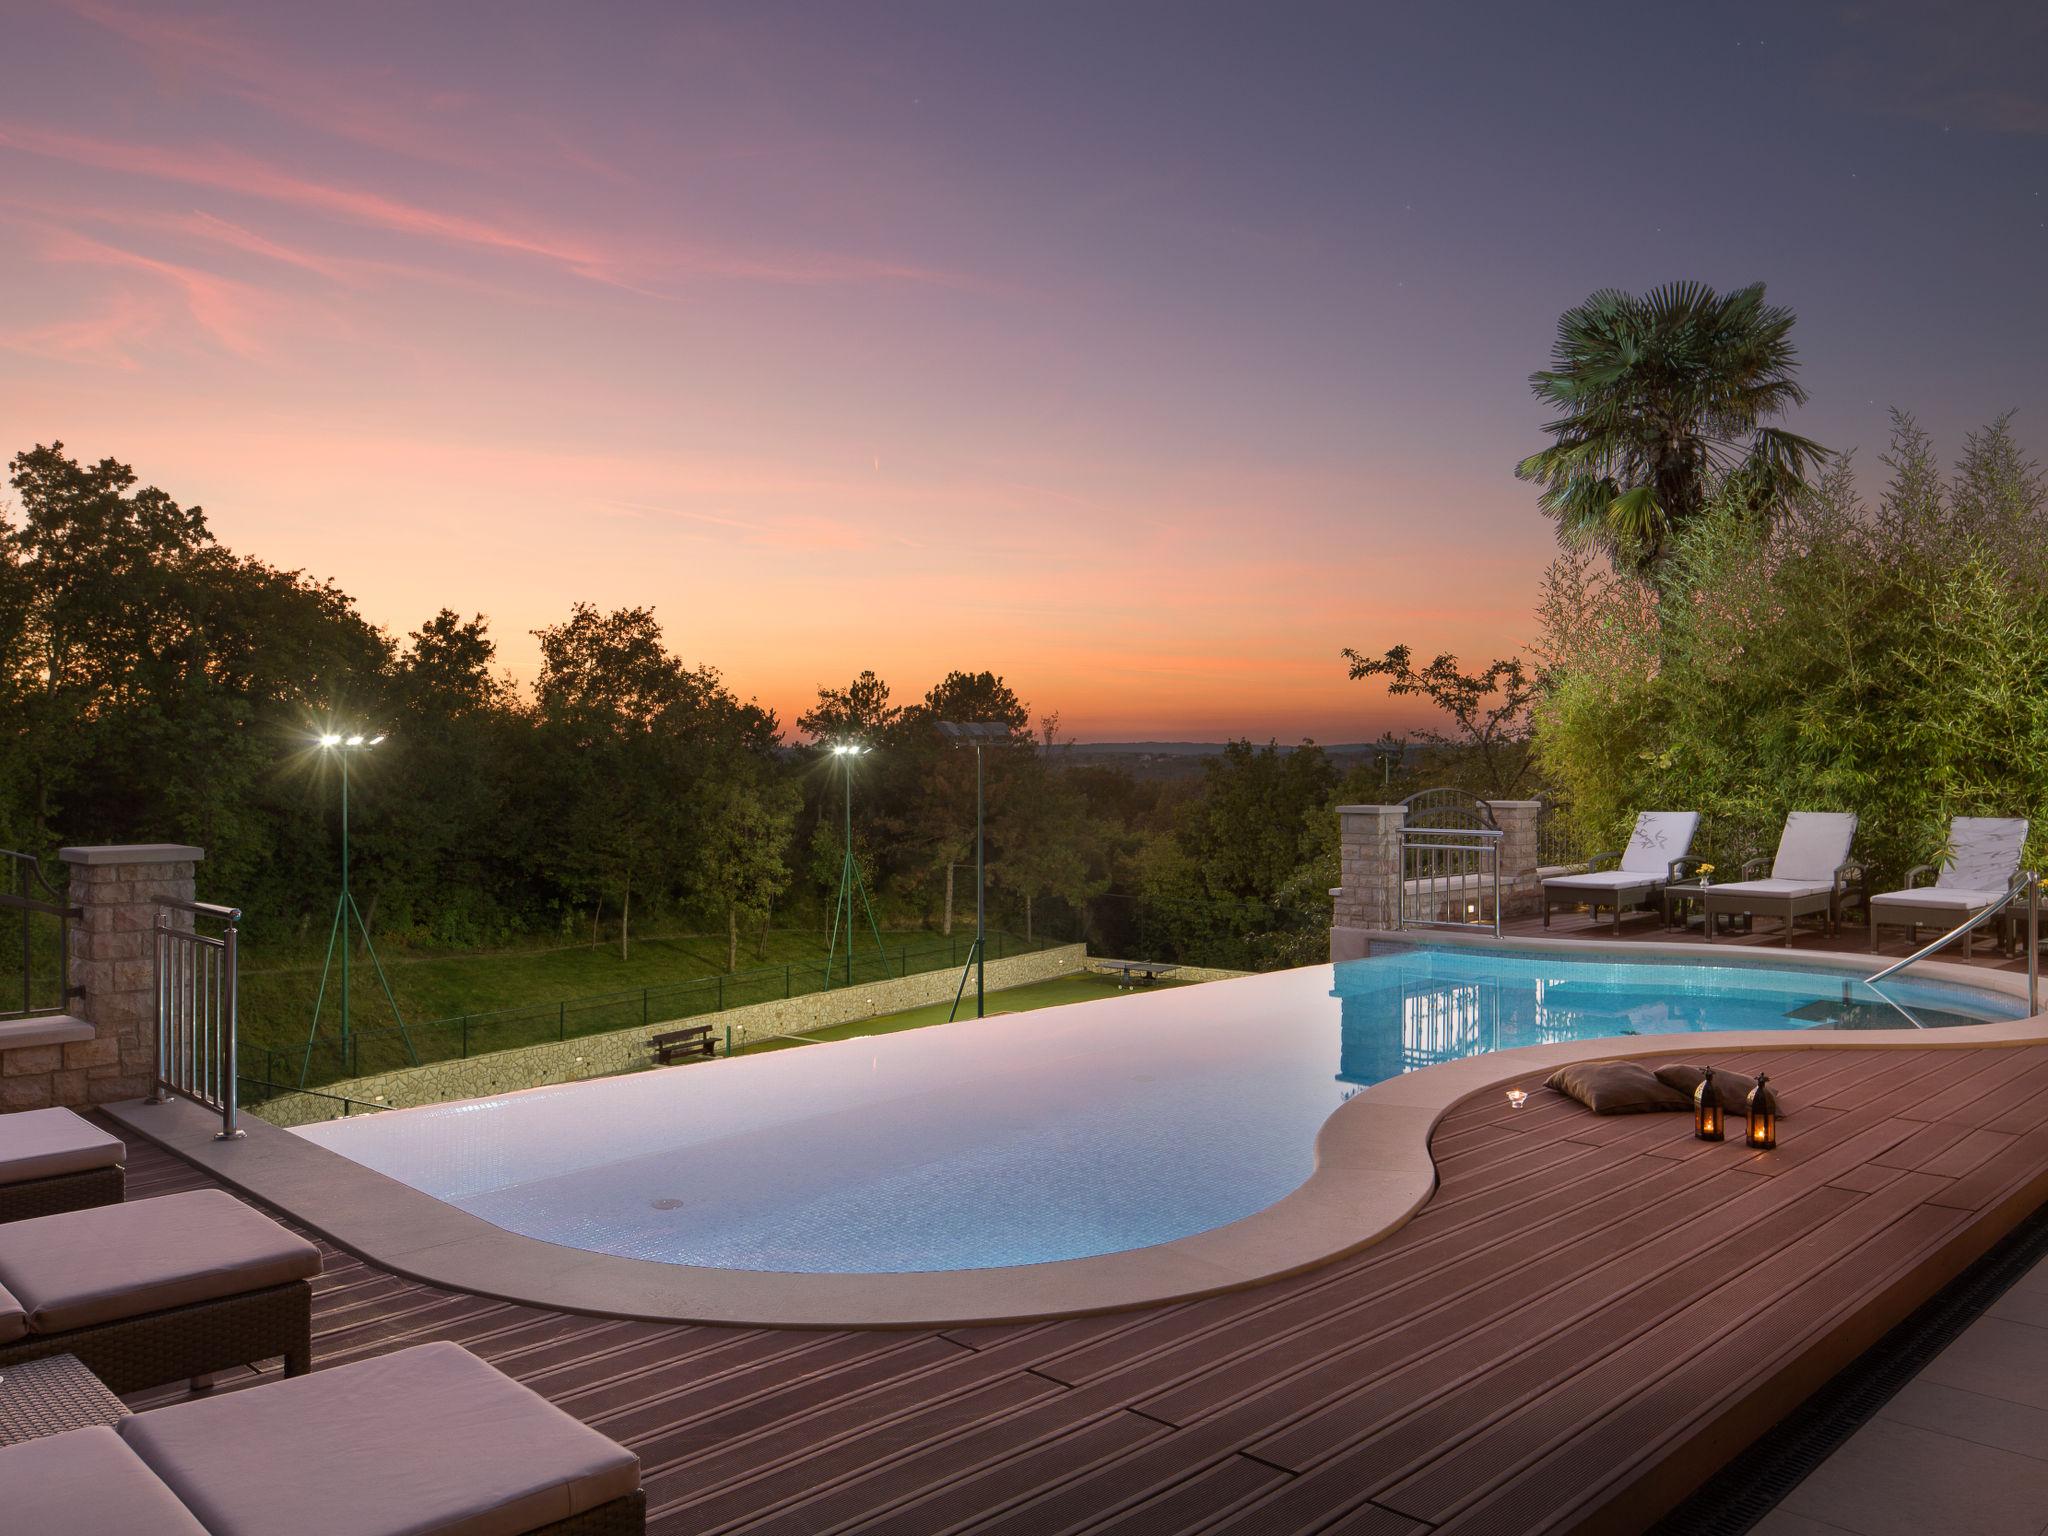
156,1291
1660,845
419,1442
1811,873
1979,866
52,1160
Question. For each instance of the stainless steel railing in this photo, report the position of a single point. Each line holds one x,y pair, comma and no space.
197,1010
2029,886
1450,878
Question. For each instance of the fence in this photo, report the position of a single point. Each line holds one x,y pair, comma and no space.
282,1104
1557,840
1449,862
196,1012
476,1034
45,946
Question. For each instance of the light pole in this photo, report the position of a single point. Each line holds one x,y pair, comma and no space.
976,734
346,913
850,882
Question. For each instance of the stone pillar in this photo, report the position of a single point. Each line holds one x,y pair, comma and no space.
1517,822
1369,897
117,889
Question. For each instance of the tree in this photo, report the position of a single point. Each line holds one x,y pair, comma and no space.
1490,711
1662,399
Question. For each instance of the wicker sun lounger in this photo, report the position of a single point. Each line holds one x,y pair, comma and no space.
1657,852
52,1160
1978,867
157,1291
427,1441
1812,873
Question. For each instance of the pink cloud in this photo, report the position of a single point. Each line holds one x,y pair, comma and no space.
221,307
103,337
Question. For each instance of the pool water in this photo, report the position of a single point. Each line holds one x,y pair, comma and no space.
1056,1134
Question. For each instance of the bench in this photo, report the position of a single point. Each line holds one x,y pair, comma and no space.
694,1041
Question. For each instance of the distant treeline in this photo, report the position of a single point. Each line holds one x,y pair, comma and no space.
155,685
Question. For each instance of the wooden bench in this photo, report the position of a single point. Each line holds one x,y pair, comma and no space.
694,1041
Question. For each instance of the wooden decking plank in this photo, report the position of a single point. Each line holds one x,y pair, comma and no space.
2015,1104
1203,1502
1974,1075
2007,1172
1685,1338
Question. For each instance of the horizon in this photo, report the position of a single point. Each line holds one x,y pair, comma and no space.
1147,360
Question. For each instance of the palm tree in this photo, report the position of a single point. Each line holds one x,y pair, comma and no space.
1663,401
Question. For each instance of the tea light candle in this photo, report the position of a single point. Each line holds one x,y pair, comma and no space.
1517,1097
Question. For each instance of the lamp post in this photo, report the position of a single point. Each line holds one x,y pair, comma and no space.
850,882
346,912
976,734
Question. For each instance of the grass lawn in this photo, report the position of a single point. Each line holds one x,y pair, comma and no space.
680,973
1081,988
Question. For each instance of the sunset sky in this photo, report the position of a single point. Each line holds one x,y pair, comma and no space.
1148,354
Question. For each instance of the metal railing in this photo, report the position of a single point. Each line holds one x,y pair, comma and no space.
27,881
2028,885
197,1013
1450,878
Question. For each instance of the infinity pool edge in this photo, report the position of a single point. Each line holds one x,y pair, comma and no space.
1373,1171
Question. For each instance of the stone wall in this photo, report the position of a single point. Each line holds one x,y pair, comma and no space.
117,889
621,1050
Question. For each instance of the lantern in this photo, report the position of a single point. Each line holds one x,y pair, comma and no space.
1763,1115
1707,1113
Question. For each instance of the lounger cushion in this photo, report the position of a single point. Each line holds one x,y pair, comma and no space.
428,1439
1983,853
1603,881
1616,1088
1814,845
13,1317
1949,900
86,1482
1771,890
43,1143
1659,837
85,1267
1733,1086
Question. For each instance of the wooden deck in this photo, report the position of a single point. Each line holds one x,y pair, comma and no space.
1588,1317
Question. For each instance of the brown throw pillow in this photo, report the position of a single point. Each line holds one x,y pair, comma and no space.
1617,1088
1733,1086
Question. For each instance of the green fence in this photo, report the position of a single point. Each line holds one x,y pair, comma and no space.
503,1029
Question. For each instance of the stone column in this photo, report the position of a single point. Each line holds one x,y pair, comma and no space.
1517,822
117,889
1369,897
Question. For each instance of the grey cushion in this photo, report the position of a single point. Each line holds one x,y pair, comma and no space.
1604,881
86,1482
43,1143
1777,889
84,1267
1814,845
1947,900
429,1439
1616,1087
1659,837
13,1317
1983,853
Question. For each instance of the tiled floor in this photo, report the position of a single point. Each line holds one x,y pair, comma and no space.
1962,1450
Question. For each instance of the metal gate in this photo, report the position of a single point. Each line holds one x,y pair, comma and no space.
197,1010
1449,863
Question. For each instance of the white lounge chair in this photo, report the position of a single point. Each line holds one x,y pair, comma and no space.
1980,864
1811,873
1661,842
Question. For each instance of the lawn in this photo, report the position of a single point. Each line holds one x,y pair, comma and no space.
523,997
1087,986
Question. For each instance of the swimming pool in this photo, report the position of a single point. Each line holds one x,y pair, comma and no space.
1089,1129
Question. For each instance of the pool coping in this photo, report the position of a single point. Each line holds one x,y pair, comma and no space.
1373,1171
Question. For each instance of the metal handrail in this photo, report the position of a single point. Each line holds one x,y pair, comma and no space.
198,1011
2030,886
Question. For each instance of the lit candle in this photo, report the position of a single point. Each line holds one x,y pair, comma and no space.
1517,1097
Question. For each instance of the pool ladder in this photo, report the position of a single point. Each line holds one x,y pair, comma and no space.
2028,885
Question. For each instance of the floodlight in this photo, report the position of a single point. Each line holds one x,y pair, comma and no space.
355,741
330,740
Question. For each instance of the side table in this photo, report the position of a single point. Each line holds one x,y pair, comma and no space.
51,1395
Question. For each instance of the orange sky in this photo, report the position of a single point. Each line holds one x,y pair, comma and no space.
1148,365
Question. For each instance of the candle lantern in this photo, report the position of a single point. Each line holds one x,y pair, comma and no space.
1763,1115
1707,1110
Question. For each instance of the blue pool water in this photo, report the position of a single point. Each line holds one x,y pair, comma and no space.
1072,1131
